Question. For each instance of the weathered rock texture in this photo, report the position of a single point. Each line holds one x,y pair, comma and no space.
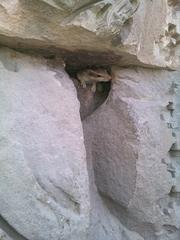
126,32
77,164
44,190
130,138
44,186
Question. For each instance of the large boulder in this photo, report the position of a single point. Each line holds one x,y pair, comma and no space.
123,30
44,189
129,138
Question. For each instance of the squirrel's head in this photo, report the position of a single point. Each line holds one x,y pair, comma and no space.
99,75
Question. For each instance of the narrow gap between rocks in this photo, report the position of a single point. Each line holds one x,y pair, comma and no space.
89,100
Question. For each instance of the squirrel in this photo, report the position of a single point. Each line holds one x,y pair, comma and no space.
90,76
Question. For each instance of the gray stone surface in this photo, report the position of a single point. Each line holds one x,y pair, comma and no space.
83,165
113,176
44,189
123,31
130,139
47,190
4,236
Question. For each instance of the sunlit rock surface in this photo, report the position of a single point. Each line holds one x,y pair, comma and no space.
130,137
77,164
127,32
44,190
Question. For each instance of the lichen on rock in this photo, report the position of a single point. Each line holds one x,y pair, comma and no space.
109,15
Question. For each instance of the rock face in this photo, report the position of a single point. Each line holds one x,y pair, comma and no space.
123,30
80,164
44,186
130,138
43,166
